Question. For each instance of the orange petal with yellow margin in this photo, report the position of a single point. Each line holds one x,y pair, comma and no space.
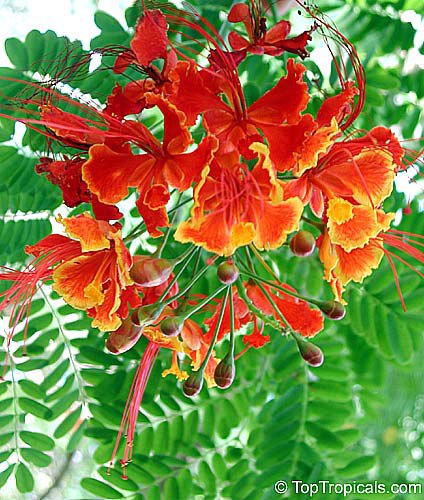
367,177
176,136
351,226
212,233
274,222
90,232
106,317
79,281
358,263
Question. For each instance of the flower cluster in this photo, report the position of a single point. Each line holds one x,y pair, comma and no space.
254,172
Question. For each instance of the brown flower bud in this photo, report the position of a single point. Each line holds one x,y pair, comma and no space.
125,337
311,353
227,273
332,309
172,325
193,385
225,372
302,244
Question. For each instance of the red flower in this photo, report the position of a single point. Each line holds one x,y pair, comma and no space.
304,320
260,40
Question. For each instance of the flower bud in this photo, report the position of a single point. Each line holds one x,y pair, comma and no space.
225,372
302,244
332,309
310,353
172,325
125,337
193,385
227,273
150,271
146,315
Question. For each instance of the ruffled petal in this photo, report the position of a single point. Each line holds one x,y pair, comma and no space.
89,232
79,281
298,147
337,106
358,263
183,170
351,226
109,174
302,318
212,233
285,101
176,137
190,93
150,40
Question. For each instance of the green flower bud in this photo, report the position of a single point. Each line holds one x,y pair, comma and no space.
302,244
227,273
146,315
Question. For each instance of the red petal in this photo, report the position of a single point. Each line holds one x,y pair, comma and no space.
285,101
337,106
118,103
153,218
176,137
191,95
102,211
295,45
237,42
278,32
238,13
109,174
67,175
150,41
182,170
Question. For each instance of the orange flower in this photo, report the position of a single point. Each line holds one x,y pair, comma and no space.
360,170
351,246
234,207
95,277
109,174
194,344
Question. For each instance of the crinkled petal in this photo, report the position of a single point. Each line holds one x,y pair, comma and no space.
285,101
337,106
351,226
89,232
79,281
109,174
150,40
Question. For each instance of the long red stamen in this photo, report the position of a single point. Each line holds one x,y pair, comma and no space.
132,405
